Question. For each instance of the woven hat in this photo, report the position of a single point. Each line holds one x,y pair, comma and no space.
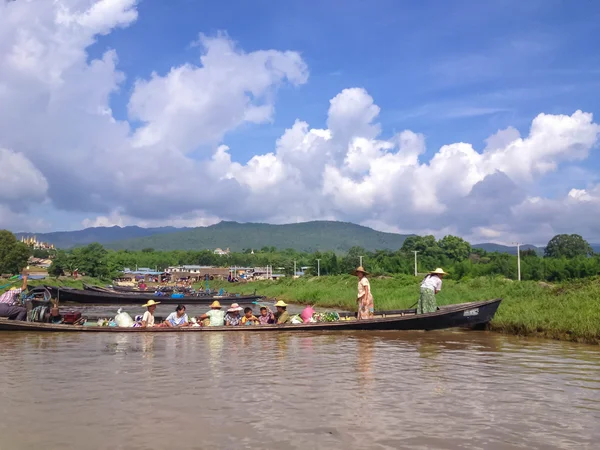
281,303
215,304
151,303
439,271
360,269
235,307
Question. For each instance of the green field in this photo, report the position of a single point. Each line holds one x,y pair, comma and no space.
567,311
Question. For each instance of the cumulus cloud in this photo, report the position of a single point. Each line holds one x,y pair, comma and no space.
194,105
166,164
21,181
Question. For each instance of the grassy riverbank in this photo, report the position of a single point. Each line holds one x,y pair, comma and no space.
567,311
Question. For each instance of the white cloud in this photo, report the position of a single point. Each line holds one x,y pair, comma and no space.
64,146
195,105
21,181
116,218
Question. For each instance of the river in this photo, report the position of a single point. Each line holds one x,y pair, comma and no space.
343,390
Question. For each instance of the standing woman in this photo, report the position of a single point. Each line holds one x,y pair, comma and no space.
365,298
430,286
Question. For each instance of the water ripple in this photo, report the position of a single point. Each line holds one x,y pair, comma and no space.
329,390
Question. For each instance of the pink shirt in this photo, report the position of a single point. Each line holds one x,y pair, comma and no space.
11,296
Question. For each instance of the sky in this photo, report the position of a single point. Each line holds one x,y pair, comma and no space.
472,118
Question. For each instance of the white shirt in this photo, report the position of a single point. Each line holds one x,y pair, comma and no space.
176,321
432,282
149,319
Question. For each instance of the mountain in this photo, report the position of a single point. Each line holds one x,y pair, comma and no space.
103,235
306,236
491,247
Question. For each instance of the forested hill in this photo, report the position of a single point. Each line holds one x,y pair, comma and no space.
306,236
102,235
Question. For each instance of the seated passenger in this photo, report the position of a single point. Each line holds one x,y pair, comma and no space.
233,315
266,316
215,317
10,306
249,318
148,317
282,316
307,314
178,318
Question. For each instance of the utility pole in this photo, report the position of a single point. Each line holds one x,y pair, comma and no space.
294,276
518,260
318,267
415,252
360,260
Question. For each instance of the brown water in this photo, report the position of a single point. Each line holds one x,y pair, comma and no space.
450,390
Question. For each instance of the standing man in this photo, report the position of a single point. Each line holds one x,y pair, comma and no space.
9,303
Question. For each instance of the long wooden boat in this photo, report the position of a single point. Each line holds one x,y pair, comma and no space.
470,315
152,293
71,295
122,289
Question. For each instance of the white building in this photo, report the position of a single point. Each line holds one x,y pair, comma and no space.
188,268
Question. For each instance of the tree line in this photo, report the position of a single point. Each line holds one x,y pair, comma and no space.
565,257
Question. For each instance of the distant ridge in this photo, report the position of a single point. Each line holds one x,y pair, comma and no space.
103,235
305,236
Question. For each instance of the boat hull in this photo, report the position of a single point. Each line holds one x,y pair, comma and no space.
70,295
469,315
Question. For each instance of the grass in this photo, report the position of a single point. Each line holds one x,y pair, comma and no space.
568,311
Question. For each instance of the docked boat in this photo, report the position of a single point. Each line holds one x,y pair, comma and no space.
469,315
100,297
125,289
152,292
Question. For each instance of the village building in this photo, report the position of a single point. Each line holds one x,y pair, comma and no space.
197,272
39,262
221,252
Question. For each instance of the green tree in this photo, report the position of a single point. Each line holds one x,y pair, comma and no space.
13,254
529,253
567,246
92,260
60,264
352,259
41,253
421,244
17,258
454,248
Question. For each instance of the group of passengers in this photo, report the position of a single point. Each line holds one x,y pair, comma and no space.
216,317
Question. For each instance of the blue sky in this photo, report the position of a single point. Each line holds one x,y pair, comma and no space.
456,71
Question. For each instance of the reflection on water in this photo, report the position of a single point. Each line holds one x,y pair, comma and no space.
291,391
